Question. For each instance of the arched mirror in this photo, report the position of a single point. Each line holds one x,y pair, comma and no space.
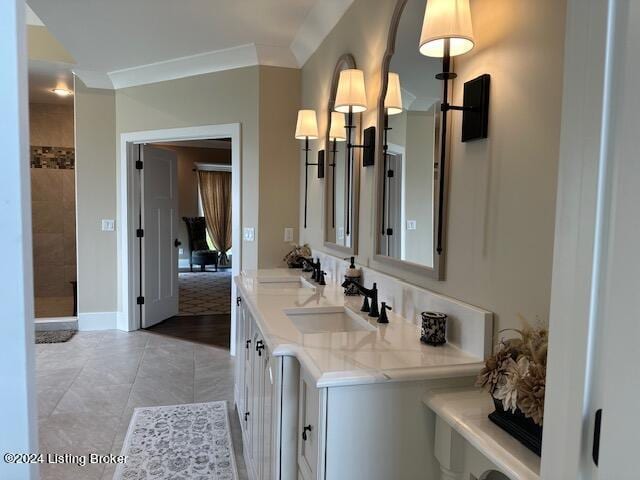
410,189
342,174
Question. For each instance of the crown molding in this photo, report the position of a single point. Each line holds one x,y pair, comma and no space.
215,61
93,79
316,26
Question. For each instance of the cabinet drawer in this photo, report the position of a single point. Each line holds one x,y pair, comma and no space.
311,428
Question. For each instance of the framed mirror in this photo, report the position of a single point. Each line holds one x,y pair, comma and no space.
342,174
411,184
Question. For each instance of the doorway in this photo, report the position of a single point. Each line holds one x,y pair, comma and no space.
53,199
167,243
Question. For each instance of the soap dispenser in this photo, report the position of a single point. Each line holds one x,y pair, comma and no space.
355,275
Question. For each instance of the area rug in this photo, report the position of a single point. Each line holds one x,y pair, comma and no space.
204,293
54,336
179,442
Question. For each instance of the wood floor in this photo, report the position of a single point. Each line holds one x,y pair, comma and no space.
212,330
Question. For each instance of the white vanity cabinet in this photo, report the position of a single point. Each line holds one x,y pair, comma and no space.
266,401
255,392
299,426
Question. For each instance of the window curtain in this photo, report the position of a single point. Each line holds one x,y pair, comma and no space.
215,193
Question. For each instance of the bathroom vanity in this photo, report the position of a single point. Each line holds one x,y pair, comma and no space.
325,392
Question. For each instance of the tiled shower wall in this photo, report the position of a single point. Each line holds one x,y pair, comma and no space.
53,207
54,228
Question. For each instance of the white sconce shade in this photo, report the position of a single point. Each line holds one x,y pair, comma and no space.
337,131
393,98
446,19
351,92
307,125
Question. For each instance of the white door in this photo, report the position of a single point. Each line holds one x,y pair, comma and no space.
159,222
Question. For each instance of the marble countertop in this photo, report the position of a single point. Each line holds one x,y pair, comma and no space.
466,410
391,352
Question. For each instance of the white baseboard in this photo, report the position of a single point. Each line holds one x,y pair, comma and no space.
97,321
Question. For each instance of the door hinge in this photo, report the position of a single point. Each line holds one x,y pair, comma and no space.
140,233
390,173
140,300
389,231
138,164
238,301
596,437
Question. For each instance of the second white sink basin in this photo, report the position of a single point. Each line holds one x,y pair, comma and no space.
327,320
284,283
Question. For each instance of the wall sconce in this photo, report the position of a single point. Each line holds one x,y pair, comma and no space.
392,106
306,129
351,97
337,133
447,31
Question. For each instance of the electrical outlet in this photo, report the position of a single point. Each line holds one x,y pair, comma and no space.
249,234
108,225
340,233
288,234
411,225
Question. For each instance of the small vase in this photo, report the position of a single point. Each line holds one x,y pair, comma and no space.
434,328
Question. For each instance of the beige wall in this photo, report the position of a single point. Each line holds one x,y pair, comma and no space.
269,189
279,165
51,125
96,198
218,98
502,195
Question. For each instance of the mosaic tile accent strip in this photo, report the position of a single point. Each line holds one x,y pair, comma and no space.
190,441
205,293
61,158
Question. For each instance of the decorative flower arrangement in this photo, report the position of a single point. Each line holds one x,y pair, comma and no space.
516,373
295,256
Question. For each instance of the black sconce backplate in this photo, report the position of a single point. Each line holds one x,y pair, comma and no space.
369,144
475,119
320,163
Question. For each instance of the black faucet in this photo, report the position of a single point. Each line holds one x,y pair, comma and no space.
369,293
317,269
383,313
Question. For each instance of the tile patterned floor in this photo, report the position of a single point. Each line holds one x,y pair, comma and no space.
89,386
205,293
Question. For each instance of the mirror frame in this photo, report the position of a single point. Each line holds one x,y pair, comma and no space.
436,272
344,62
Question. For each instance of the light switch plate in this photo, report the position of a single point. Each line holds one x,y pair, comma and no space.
288,234
249,234
108,225
411,225
181,251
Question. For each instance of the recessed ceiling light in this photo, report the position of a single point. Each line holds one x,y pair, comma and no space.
62,92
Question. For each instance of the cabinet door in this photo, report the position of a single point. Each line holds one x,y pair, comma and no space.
310,425
269,416
239,388
255,400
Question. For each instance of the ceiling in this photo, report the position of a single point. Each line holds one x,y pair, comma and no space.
109,39
45,76
417,72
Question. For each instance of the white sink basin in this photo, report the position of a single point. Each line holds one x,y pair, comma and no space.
275,283
327,320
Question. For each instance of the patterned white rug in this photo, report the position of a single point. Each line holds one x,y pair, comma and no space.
179,442
205,293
